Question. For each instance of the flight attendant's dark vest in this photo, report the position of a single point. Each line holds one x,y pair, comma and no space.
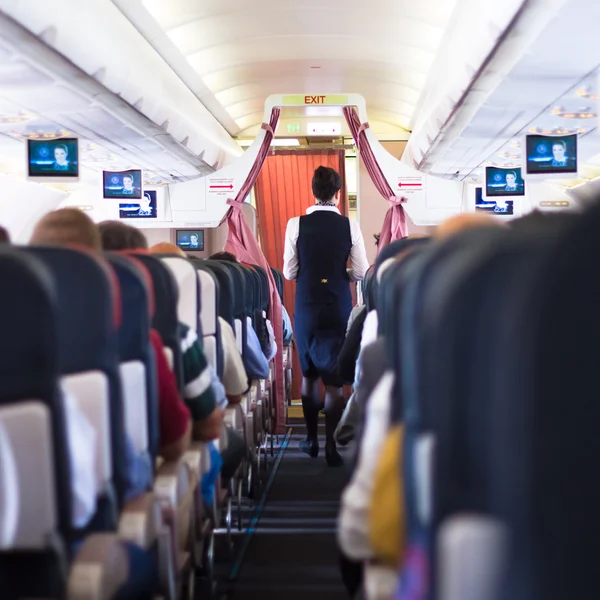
324,245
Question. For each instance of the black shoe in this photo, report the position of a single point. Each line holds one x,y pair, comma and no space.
310,447
332,456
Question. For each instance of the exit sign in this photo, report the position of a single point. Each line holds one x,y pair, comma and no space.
293,127
322,128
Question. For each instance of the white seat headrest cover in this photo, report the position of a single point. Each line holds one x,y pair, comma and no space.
9,491
185,275
208,302
27,428
135,403
90,391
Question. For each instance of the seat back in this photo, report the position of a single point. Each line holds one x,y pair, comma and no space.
165,321
88,320
209,303
137,364
221,273
546,413
278,276
35,474
189,304
239,303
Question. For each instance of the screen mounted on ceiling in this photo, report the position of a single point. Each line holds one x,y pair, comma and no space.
190,239
144,208
53,158
503,182
551,155
496,206
123,184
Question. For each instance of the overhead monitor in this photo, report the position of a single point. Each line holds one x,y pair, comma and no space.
56,159
190,239
144,208
126,185
497,206
500,181
550,156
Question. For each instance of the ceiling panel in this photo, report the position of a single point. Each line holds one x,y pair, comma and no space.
244,52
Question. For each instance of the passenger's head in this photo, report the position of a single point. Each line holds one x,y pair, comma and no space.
459,223
326,185
118,236
4,236
65,227
559,148
511,178
60,154
166,248
224,256
127,181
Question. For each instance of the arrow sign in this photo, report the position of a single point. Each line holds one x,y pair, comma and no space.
221,187
410,184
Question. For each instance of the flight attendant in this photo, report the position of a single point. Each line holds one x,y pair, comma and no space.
317,249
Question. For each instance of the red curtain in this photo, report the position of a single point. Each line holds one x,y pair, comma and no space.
284,190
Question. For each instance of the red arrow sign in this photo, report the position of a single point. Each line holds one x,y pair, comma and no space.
221,187
410,184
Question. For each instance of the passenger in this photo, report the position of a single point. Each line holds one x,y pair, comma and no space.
317,249
256,362
463,221
4,236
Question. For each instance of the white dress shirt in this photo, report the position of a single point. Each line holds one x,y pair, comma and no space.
358,254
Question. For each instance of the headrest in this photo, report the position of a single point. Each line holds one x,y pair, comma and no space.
189,289
226,287
278,276
166,294
86,308
28,325
239,286
266,291
143,271
135,326
393,249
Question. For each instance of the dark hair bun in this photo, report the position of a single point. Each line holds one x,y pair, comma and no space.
326,183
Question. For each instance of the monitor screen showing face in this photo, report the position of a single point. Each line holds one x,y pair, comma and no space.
145,208
53,158
551,154
503,182
188,239
123,184
497,206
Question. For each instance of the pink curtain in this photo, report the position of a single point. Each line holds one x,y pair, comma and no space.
394,224
242,243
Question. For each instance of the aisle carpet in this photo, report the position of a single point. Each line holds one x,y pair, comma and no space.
292,553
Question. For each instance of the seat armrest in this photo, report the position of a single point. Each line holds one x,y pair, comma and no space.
99,569
141,520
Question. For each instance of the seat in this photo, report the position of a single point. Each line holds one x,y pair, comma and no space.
209,304
545,446
137,363
189,303
89,313
165,321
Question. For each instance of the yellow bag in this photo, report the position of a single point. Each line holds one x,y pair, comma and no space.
387,526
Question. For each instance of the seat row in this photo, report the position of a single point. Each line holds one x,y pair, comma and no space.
492,338
75,328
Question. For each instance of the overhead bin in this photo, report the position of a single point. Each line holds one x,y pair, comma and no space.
128,66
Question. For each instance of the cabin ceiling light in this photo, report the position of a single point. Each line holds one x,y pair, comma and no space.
586,93
20,118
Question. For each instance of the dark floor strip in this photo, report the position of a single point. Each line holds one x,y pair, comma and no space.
237,565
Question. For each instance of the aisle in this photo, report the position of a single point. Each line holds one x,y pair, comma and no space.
292,553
